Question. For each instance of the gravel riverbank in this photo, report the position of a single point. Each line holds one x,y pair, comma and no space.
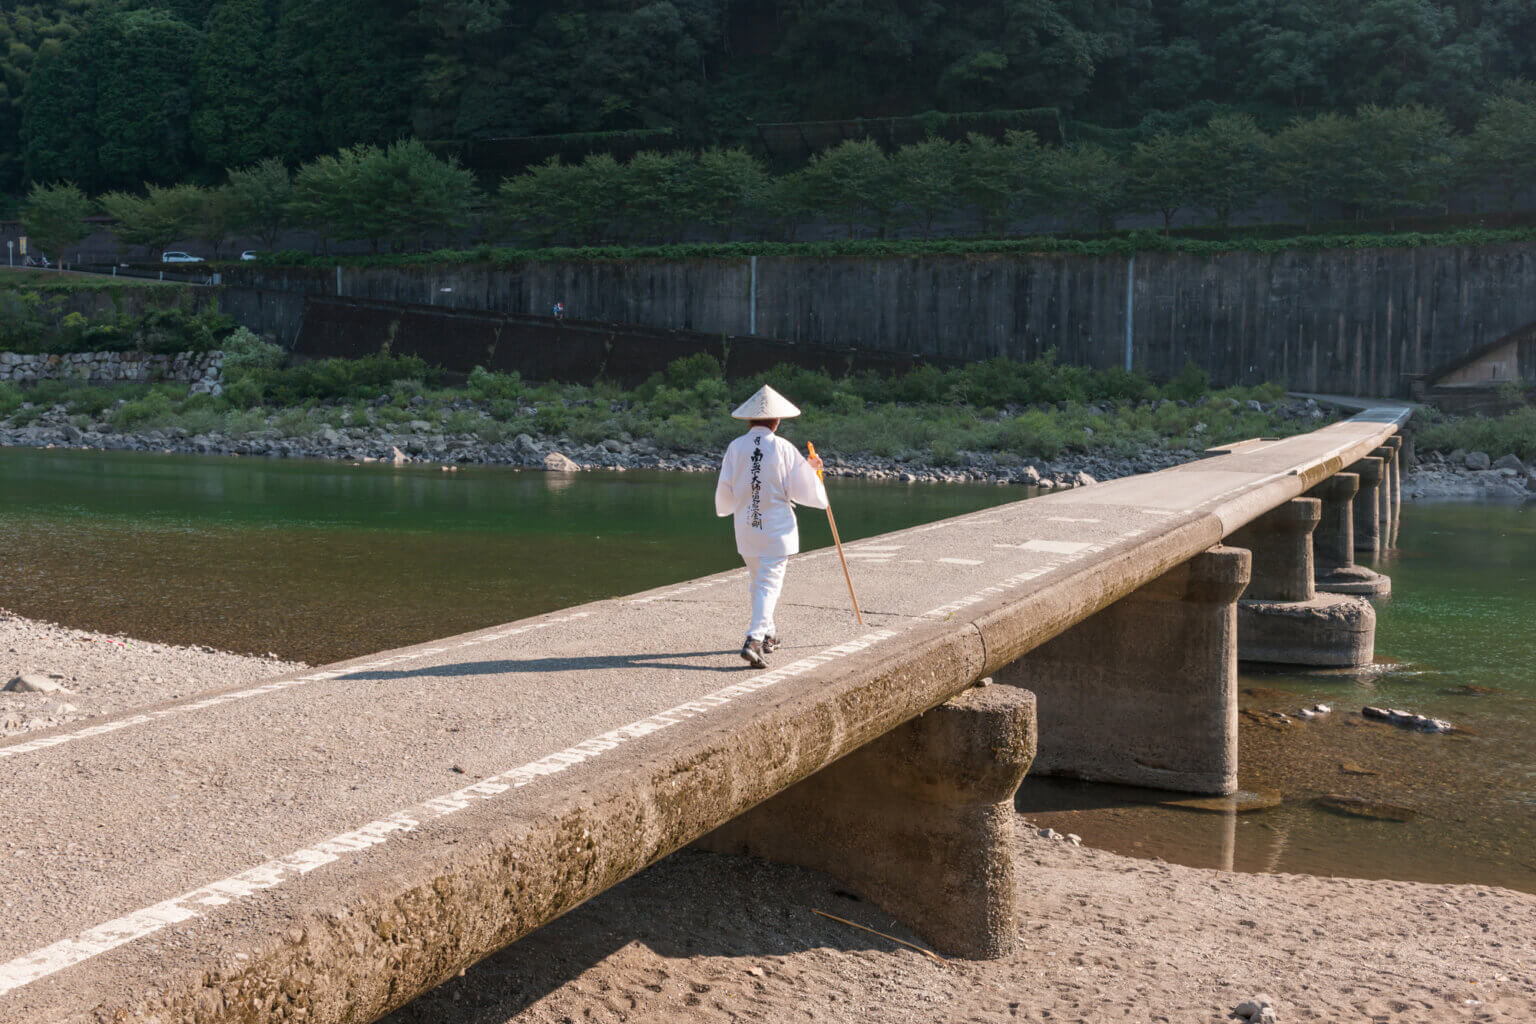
425,441
50,674
708,938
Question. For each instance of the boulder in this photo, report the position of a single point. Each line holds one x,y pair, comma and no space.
554,462
1478,460
1510,462
36,682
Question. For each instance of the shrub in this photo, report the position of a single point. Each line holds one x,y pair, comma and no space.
166,331
484,386
152,410
243,351
688,371
347,379
1191,384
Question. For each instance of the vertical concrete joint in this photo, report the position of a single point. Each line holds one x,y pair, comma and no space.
1145,691
920,821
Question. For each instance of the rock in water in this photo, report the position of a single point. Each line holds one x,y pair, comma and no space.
554,462
1356,807
400,458
33,682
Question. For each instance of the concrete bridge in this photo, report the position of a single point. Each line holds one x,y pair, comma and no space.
324,847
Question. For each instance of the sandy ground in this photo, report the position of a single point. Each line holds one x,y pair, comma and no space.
103,674
702,937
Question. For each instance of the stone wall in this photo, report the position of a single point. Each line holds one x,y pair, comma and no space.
204,371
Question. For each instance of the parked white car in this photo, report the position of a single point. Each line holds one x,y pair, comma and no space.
250,254
179,257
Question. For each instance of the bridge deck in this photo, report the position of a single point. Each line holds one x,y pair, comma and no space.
338,841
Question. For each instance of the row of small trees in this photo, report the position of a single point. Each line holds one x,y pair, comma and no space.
1378,162
389,197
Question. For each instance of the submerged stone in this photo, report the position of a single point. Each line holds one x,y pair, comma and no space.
1359,807
1245,801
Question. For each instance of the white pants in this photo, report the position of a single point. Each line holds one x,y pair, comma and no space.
767,580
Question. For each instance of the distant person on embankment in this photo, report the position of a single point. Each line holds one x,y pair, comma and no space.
761,480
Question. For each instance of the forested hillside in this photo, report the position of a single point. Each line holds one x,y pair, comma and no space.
113,93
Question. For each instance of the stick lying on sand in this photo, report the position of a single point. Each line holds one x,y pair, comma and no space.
864,928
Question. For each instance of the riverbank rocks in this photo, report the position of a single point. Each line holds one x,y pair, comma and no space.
1510,462
334,432
1258,1010
1477,460
36,682
554,462
1448,477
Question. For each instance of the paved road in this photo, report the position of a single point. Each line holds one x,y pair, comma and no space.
348,836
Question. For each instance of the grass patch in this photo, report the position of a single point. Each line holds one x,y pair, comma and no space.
1512,433
1009,411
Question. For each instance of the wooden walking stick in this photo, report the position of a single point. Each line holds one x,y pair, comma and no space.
838,541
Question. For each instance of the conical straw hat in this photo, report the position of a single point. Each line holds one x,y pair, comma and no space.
767,404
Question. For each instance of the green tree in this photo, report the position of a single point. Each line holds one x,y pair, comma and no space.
157,218
852,181
925,174
1502,148
988,176
1311,162
1410,160
1162,173
261,195
656,193
1230,160
1086,181
539,201
218,217
58,130
142,71
54,217
408,194
728,184
324,194
232,95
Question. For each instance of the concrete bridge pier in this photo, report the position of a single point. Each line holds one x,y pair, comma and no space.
1333,542
1144,692
1281,618
920,821
1371,472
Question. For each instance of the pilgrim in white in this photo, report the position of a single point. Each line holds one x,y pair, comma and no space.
762,478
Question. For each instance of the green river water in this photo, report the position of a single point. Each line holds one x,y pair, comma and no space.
322,561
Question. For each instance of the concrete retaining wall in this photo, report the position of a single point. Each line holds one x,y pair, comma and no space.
203,370
1340,320
543,348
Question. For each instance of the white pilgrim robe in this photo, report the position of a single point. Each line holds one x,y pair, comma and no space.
761,476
